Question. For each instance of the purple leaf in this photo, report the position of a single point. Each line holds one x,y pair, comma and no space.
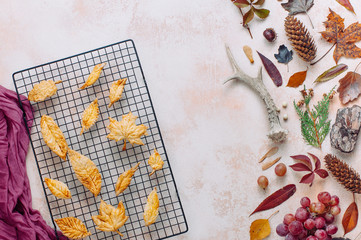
317,161
271,70
300,167
308,178
322,173
303,158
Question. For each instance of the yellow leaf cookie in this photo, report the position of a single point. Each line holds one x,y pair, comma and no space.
57,188
116,90
43,90
151,208
94,75
110,219
86,171
90,116
124,180
155,161
126,129
53,136
72,227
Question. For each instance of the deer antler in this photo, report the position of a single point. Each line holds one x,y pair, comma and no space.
276,133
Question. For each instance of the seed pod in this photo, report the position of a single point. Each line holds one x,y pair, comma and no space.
270,34
248,51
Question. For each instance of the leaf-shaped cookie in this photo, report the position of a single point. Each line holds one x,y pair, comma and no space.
94,75
53,136
155,161
43,90
151,208
90,116
124,180
116,90
72,227
57,188
110,219
126,129
86,171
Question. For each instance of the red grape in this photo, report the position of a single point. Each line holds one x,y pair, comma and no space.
295,227
309,224
331,229
329,218
324,197
335,210
320,222
321,234
280,169
291,237
288,219
282,230
311,238
313,207
319,208
262,182
305,202
334,200
301,214
303,234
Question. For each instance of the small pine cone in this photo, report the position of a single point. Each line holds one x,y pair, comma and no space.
344,174
302,41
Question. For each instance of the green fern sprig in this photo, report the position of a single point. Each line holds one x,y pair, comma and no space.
314,122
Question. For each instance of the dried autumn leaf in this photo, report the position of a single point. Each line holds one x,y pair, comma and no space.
276,198
57,188
53,136
248,51
332,73
284,55
94,75
155,161
350,87
269,153
347,5
110,219
344,39
124,180
298,6
116,90
260,229
271,70
297,79
90,116
350,218
43,90
72,227
126,129
86,171
151,208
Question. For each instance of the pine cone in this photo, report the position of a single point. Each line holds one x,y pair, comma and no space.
302,41
344,174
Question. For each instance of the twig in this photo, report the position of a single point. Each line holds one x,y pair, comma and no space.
310,20
323,55
245,25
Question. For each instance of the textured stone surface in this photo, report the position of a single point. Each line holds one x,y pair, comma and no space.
345,131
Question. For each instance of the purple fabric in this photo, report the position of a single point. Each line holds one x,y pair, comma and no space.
17,218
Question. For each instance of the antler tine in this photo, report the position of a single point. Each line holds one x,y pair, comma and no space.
235,66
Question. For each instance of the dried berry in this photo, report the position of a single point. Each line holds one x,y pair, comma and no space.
270,34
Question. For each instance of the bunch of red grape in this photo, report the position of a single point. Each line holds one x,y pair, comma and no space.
312,221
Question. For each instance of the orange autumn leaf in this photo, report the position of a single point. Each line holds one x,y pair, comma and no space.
350,218
346,4
344,39
297,79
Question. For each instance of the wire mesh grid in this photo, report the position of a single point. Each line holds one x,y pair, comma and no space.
66,109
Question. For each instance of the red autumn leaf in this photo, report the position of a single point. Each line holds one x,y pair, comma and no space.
316,160
350,87
271,70
322,173
276,198
346,4
308,178
303,158
350,218
300,167
297,79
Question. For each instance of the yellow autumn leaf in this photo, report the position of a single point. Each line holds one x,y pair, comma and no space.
94,75
155,161
110,219
72,227
90,116
126,129
57,188
151,208
86,171
116,90
124,180
260,229
43,90
53,136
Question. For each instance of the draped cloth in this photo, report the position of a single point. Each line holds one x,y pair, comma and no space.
18,220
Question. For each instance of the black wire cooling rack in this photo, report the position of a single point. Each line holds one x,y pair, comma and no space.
66,108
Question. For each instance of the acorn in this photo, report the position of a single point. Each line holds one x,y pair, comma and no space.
270,34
